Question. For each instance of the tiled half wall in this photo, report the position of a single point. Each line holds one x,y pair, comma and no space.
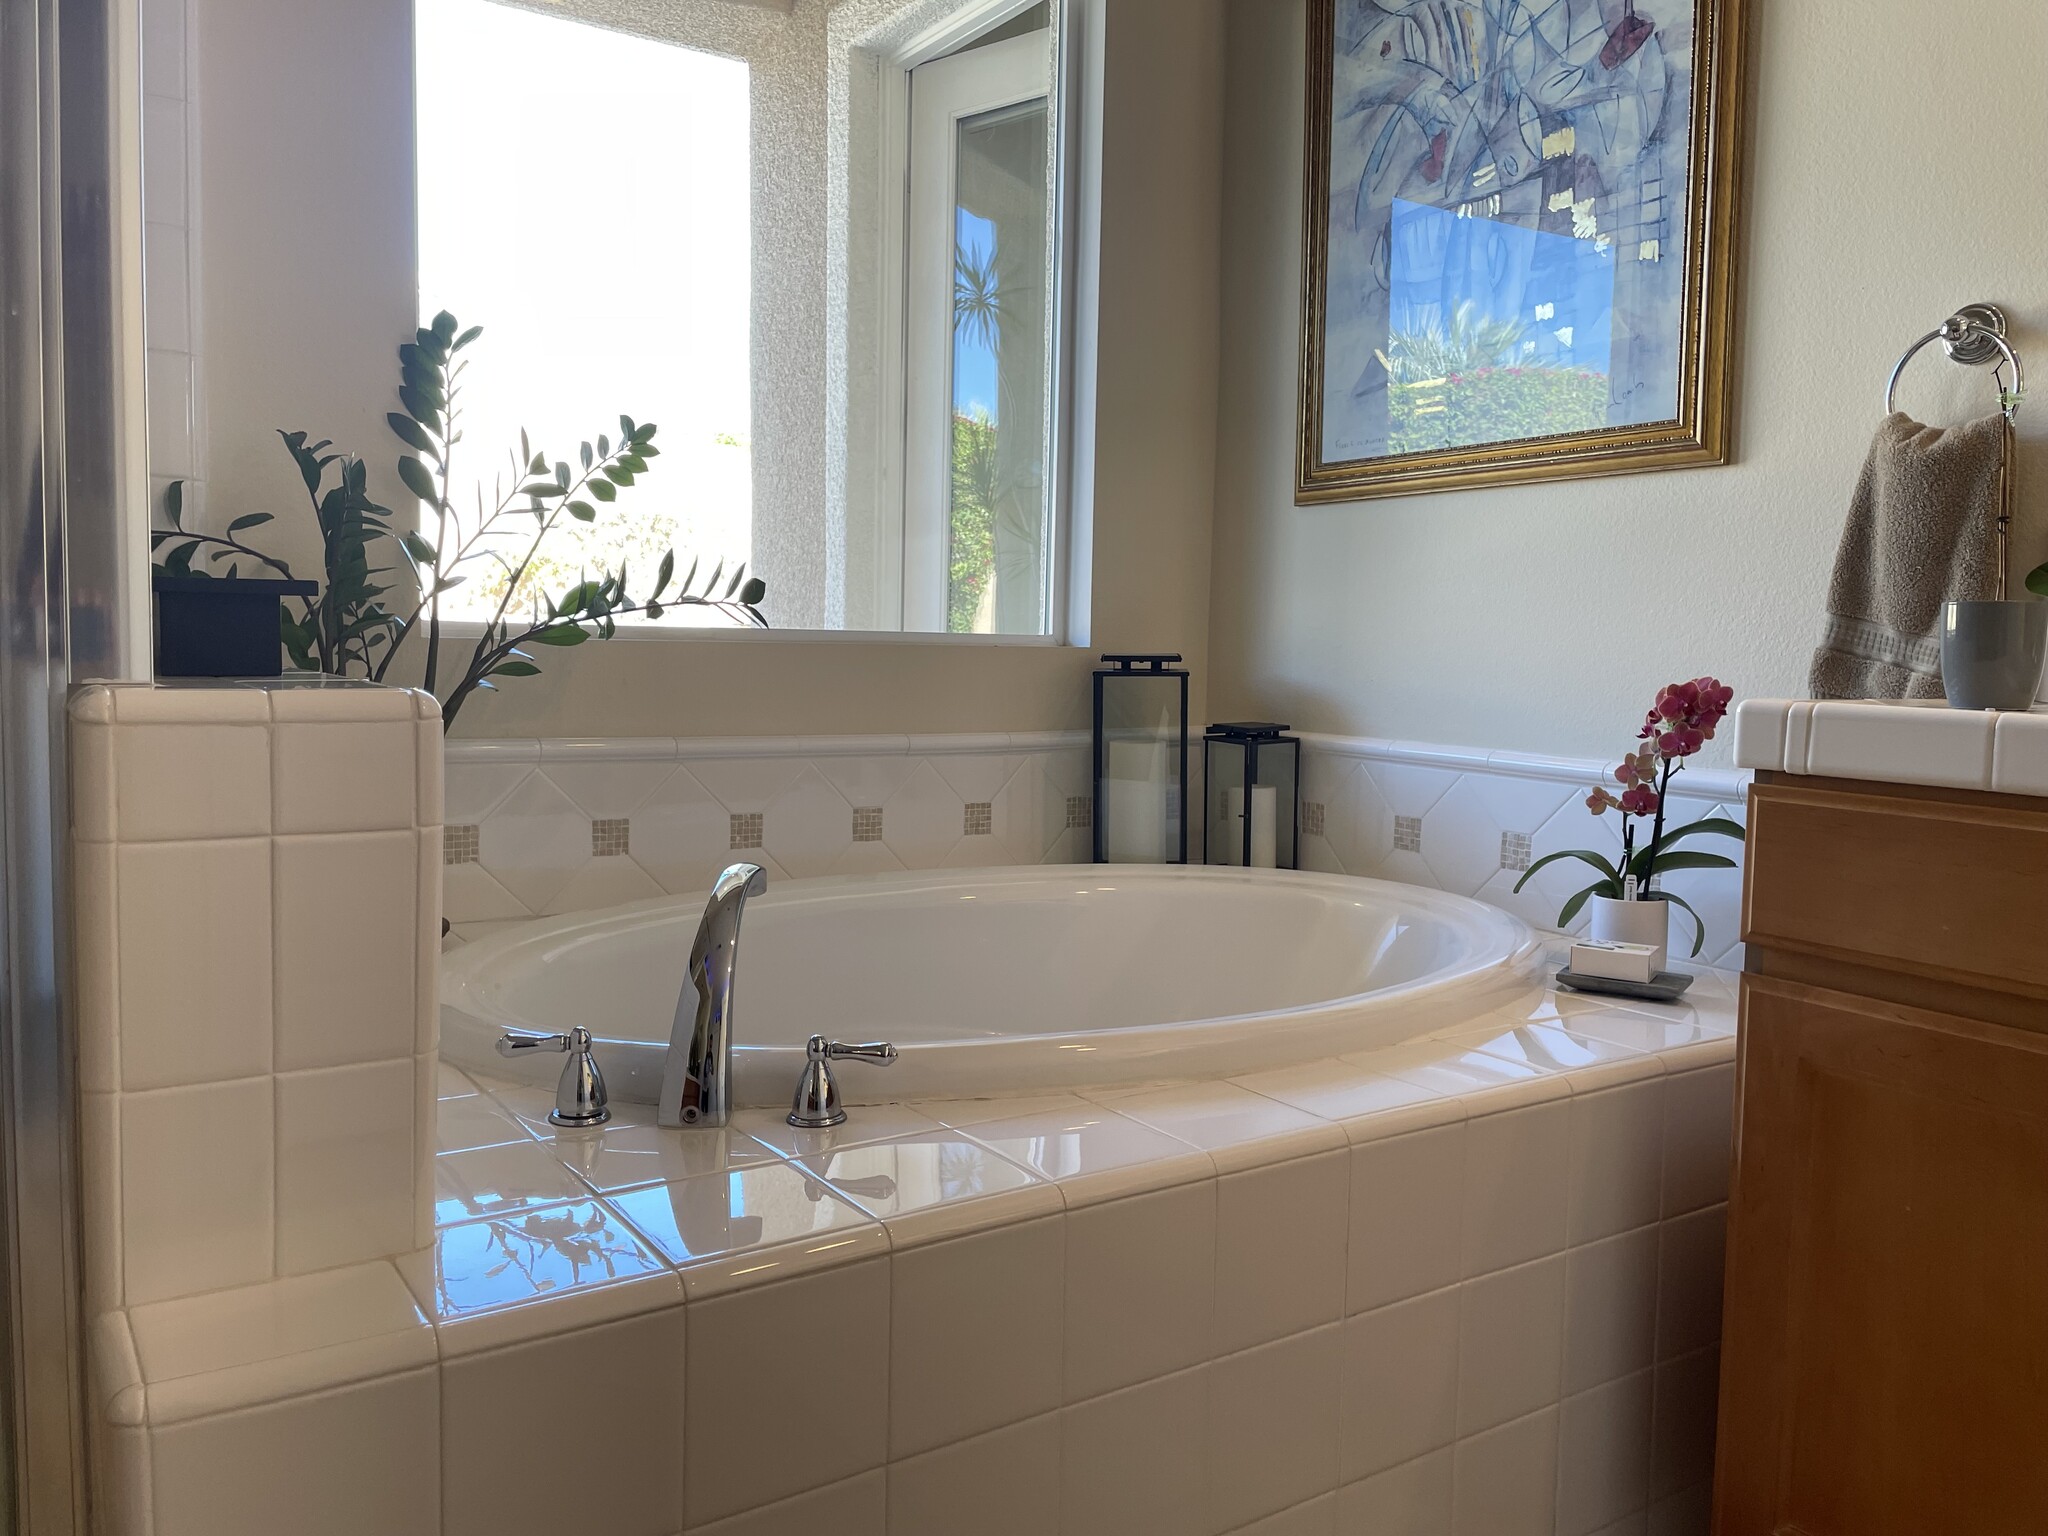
560,826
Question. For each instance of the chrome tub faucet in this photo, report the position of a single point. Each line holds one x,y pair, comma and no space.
696,1078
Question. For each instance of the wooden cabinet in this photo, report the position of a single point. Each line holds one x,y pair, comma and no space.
1885,1325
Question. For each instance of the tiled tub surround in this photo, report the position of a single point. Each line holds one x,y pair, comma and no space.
1467,1284
1471,822
545,827
2005,751
256,882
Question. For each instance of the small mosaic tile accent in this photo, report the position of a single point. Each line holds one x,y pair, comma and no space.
609,837
867,823
1515,850
460,845
1408,834
746,829
980,820
1312,818
1080,812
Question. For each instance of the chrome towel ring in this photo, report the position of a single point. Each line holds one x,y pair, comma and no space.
1974,335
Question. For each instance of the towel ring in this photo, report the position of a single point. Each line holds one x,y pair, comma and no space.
1974,335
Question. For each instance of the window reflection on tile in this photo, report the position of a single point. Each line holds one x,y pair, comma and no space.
892,1177
512,1259
498,1180
756,1207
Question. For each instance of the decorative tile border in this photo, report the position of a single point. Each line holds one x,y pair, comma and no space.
1472,821
541,827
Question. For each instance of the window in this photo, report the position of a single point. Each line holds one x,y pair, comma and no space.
820,249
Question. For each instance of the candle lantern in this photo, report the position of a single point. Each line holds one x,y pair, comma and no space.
1141,761
1251,770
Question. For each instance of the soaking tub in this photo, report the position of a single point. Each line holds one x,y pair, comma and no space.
1001,981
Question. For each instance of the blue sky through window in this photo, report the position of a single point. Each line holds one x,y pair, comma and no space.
974,360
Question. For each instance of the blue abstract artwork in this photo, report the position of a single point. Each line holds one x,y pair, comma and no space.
1506,221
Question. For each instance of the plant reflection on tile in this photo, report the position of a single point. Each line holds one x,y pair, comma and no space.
507,1260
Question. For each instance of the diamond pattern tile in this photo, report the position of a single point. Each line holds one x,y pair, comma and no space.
921,822
808,826
681,834
1358,823
534,841
1461,840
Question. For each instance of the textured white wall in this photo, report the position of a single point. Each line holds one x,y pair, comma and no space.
1894,175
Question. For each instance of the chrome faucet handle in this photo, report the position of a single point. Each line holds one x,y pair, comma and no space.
580,1098
817,1105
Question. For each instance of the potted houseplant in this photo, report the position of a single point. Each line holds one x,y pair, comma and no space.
358,623
1626,903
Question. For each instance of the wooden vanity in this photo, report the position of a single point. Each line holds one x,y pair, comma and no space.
1885,1338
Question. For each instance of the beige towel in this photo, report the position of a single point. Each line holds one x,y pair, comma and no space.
1923,528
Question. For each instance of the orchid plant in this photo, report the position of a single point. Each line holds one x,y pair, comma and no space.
1681,722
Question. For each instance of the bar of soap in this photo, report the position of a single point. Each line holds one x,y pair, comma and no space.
1613,959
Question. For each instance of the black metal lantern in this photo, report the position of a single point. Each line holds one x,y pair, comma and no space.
1251,772
1141,761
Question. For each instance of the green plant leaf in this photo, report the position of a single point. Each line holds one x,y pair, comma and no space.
174,504
418,479
587,456
1699,924
665,574
603,490
249,520
515,669
420,407
416,545
560,634
1570,909
583,511
1584,855
542,488
413,434
1686,859
2037,581
752,593
468,336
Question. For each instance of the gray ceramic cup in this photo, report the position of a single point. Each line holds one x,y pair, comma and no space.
1991,653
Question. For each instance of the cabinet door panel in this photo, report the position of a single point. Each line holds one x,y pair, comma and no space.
1885,1354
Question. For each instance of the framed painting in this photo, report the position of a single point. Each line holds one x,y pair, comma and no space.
1518,239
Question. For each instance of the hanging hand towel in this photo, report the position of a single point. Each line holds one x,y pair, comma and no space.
1922,529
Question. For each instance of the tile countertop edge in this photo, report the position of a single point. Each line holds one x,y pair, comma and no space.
1896,742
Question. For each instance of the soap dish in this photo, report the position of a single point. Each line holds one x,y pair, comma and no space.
1664,987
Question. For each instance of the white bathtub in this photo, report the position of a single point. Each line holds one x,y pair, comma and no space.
1002,981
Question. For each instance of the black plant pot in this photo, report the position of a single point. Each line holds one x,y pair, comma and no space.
215,626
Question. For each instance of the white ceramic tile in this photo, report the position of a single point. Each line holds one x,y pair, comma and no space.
345,1169
809,825
472,790
1552,1048
168,403
610,787
1510,1343
1760,733
347,940
607,882
622,1156
1360,822
1407,1193
1699,1111
1689,1273
121,1480
975,1334
475,1121
1138,1460
1239,1129
1616,1160
866,780
924,1188
231,1349
864,1123
1315,1517
743,1351
2019,754
163,48
1094,1154
194,938
964,1114
191,781
767,1220
1413,1499
301,1465
1282,1236
469,894
506,1263
1504,1482
499,1181
923,820
856,1507
1682,1429
1603,1456
1871,741
1610,1325
358,776
1005,1483
1332,1089
1515,1187
628,1434
186,703
534,841
1410,789
1400,1383
681,834
99,1198
1273,1422
747,784
197,1182
95,966
430,774
1140,1288
1461,838
1798,736
1484,1082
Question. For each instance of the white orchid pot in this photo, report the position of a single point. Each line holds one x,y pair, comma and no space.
1632,922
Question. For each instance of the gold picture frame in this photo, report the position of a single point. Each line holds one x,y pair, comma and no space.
1678,331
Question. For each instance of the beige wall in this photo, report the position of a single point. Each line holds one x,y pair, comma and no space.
307,251
1895,174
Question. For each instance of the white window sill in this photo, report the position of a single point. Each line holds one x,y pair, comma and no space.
461,630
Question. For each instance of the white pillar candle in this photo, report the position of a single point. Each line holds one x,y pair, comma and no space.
1135,786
